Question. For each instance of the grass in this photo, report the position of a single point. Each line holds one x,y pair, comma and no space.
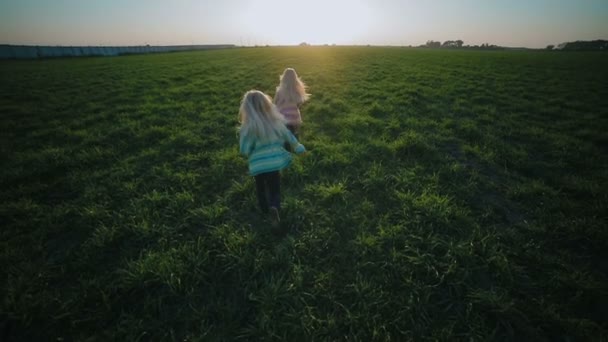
448,195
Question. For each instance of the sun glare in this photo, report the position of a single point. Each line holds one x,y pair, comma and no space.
312,21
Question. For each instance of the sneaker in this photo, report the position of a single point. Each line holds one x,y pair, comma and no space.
274,216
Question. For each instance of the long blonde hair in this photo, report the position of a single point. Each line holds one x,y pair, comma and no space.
291,89
259,118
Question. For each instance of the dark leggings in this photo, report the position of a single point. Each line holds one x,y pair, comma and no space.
294,130
268,182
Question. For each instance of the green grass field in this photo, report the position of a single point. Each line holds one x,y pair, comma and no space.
447,195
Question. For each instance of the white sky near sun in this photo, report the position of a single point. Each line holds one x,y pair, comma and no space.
312,21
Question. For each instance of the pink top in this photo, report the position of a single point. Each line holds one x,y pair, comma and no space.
292,115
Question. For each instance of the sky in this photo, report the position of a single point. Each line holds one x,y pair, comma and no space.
516,23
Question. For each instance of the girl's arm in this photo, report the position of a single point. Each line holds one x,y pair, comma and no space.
295,144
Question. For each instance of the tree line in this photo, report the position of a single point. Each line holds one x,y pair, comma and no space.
456,44
580,45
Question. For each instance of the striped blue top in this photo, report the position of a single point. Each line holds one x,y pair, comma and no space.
269,156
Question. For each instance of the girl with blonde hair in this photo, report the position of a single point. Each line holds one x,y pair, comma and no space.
262,136
290,94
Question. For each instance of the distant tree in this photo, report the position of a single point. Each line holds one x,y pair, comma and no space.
433,44
593,45
550,47
489,46
452,43
303,44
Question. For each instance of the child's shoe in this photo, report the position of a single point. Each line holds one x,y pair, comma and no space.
275,219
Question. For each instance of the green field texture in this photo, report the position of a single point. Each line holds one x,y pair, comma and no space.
447,195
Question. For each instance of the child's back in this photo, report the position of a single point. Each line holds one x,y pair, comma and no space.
262,135
290,94
268,155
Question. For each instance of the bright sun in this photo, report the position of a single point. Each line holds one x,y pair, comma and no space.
311,21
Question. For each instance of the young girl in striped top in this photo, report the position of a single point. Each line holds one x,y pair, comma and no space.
262,136
291,93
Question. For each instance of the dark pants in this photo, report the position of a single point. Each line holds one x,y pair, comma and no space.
294,130
268,182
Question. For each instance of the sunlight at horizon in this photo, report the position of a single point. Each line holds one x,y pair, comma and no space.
340,22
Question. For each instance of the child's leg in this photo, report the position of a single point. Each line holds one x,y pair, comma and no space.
260,186
274,187
294,130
